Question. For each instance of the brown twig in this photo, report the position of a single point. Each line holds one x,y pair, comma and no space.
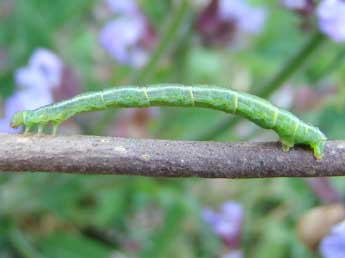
163,158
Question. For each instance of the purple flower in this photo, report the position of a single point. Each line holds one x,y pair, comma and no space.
222,20
331,14
294,4
22,100
212,29
248,19
35,81
43,71
123,7
256,22
301,6
30,78
234,254
333,245
232,9
48,64
226,223
128,39
5,127
25,99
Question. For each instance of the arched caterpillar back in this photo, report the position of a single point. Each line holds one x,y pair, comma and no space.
291,130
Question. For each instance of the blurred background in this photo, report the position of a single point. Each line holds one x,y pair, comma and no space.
289,51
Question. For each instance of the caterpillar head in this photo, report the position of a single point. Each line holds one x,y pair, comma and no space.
18,119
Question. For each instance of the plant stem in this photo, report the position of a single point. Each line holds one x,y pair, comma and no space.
169,33
331,66
292,65
21,245
287,70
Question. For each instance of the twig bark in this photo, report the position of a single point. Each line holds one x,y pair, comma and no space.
163,158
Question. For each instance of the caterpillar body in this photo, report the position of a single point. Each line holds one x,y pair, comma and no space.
291,130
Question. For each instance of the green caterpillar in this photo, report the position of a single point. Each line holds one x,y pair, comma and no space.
291,130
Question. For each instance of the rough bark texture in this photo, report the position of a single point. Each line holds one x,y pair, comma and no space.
162,158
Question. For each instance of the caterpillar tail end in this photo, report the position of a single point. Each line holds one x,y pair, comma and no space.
318,148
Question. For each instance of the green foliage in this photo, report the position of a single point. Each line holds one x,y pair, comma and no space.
73,246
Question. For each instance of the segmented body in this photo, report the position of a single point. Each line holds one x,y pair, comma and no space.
291,130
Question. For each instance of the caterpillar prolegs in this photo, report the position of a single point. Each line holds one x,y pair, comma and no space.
291,130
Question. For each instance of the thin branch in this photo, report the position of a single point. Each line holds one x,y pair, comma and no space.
162,158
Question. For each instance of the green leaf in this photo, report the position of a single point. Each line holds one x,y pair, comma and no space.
67,245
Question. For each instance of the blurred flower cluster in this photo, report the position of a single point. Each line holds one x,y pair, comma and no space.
330,14
222,20
303,7
35,82
333,245
227,224
128,37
